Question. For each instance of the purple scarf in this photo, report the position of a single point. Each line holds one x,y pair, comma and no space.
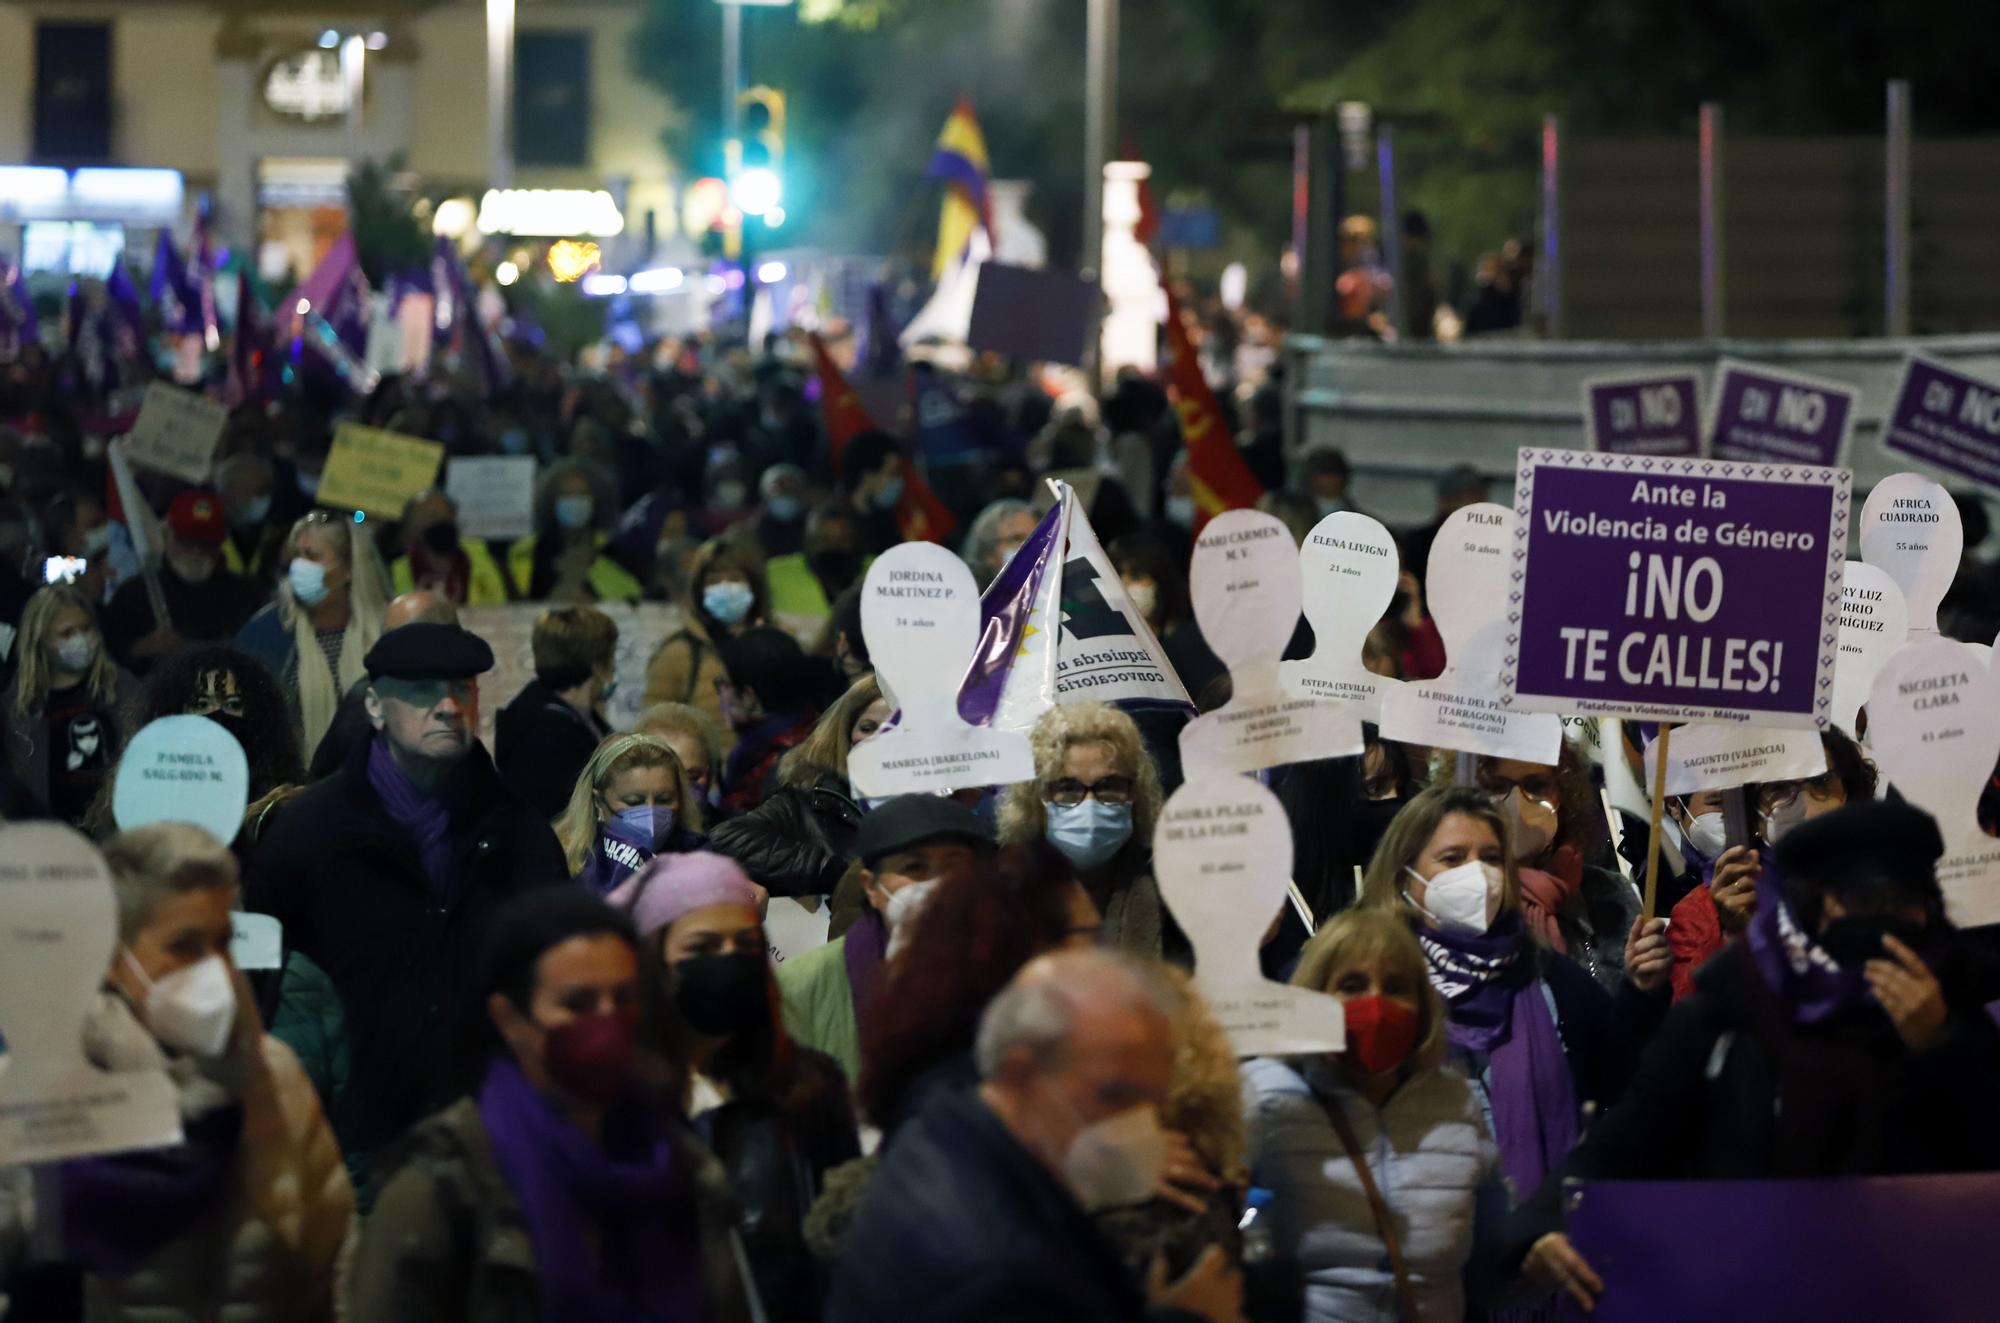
422,815
865,949
1810,983
630,1192
1498,1007
118,1211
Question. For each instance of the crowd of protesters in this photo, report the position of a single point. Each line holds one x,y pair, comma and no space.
529,1057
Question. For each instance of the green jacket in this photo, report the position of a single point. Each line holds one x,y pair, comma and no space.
608,578
447,1242
795,591
819,1005
311,1021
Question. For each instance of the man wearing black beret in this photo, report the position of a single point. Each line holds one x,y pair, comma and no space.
385,873
1845,1033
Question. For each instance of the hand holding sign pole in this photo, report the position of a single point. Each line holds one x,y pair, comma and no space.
920,616
1222,854
1245,582
1348,564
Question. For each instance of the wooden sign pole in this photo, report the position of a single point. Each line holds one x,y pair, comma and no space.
1653,826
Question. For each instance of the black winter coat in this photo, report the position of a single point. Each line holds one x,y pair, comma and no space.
348,884
961,1223
541,745
795,843
778,1155
1707,1104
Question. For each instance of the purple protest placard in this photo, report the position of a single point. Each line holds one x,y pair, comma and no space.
1946,420
1675,589
1901,1247
1650,414
1785,417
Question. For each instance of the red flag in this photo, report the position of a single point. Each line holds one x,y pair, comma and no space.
840,409
1222,481
920,515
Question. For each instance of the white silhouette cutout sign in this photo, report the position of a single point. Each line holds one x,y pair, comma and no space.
183,769
1910,528
920,615
58,933
1222,854
1465,708
1245,583
1349,563
1874,622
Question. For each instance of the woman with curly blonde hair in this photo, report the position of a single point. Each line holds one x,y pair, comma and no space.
1095,797
1386,1113
631,802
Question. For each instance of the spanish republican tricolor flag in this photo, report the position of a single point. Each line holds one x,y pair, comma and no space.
960,161
1221,480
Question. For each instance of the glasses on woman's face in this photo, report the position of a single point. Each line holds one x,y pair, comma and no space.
1775,795
1069,791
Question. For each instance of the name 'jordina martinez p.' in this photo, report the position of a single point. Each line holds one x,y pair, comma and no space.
913,583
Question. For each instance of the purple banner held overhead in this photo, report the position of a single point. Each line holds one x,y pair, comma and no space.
1784,417
1003,618
1675,589
1829,1251
1947,421
1655,414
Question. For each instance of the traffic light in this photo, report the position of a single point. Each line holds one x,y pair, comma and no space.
757,155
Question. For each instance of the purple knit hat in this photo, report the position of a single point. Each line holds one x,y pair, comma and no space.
671,885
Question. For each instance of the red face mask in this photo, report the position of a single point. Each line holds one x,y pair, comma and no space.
591,1057
1380,1032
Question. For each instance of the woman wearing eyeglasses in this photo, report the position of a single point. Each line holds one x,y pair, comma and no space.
1095,797
1710,915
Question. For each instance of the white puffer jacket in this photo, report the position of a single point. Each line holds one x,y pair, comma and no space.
1429,1151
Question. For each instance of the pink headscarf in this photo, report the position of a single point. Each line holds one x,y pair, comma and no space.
671,885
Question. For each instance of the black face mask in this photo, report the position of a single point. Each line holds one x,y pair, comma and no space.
236,726
1854,940
442,538
835,570
720,995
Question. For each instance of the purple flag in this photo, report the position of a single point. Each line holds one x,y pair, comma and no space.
458,313
174,295
1004,611
202,277
1679,589
1901,1247
1946,420
128,315
331,317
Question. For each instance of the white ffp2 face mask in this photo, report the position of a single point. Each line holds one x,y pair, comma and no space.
1463,899
192,1009
1708,835
1118,1160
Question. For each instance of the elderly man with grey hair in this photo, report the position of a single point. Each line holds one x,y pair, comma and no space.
996,535
981,1207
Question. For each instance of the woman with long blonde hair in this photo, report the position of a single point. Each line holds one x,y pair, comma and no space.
632,801
328,613
69,707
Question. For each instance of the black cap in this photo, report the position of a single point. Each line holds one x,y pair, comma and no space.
907,820
424,651
1886,847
